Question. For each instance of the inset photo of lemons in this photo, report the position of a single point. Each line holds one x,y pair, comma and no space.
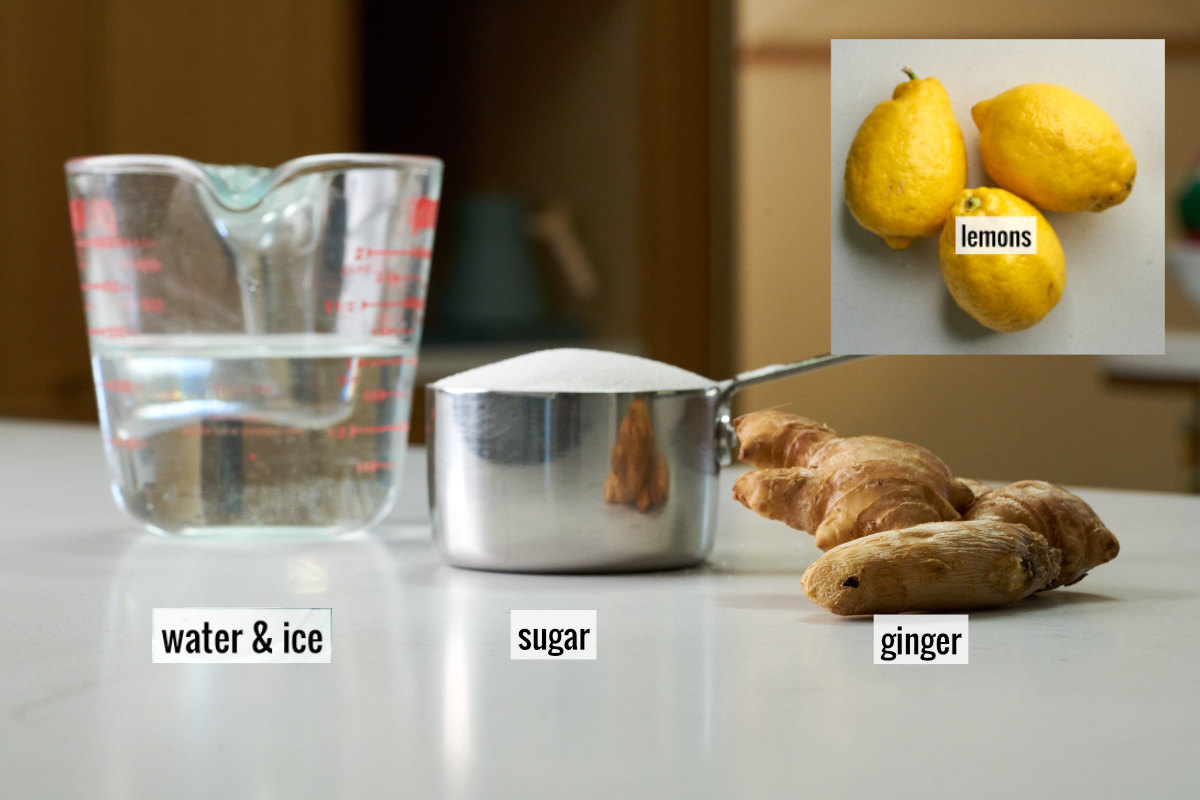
997,196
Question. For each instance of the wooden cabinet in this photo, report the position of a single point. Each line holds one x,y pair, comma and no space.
613,108
618,111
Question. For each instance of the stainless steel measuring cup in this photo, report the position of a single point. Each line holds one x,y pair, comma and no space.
254,334
533,481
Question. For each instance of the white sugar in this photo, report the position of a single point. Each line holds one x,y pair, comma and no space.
571,369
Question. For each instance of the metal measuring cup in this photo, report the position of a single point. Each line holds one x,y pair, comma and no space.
537,482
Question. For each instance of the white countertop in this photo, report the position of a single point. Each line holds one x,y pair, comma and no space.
721,681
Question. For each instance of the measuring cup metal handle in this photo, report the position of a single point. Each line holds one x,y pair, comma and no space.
726,436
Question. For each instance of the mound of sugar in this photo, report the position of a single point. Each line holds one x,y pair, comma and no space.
570,369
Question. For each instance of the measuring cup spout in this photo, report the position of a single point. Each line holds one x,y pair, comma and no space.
241,187
726,435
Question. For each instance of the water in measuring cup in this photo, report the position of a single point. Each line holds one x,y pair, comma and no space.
278,434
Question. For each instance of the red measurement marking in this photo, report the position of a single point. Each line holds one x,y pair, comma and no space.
111,287
94,214
143,265
384,331
152,305
389,278
253,456
350,431
336,306
422,214
77,208
115,243
408,302
356,269
262,389
122,386
371,430
379,395
132,443
111,332
410,252
406,361
371,467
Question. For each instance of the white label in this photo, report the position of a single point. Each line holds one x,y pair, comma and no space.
552,635
242,636
920,639
995,235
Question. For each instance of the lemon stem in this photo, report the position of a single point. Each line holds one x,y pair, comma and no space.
973,203
912,76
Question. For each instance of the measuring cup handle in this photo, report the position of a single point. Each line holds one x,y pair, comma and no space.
726,436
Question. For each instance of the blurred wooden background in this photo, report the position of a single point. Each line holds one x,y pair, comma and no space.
607,106
690,137
203,80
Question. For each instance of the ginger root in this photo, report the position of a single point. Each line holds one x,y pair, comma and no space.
901,532
638,474
1066,521
938,566
779,439
839,489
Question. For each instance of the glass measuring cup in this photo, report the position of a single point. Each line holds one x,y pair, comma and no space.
254,334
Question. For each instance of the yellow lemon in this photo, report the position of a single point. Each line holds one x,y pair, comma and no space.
906,164
1003,292
1055,148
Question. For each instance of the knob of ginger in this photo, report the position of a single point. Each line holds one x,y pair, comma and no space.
779,439
940,566
839,489
901,532
1063,517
